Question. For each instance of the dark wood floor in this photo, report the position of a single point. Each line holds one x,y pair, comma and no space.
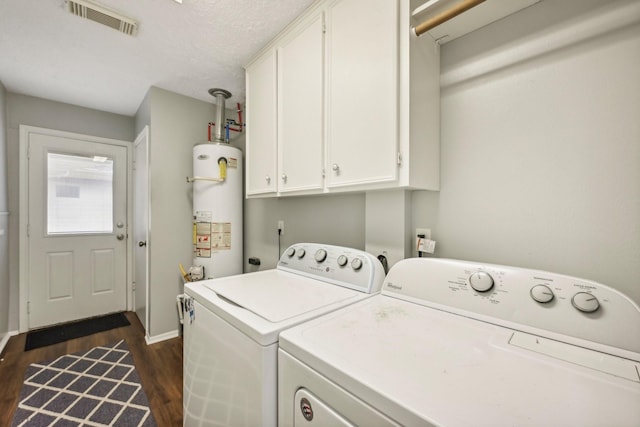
159,366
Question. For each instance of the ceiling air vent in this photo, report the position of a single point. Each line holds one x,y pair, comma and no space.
102,16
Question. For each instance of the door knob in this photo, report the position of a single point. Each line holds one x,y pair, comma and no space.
141,244
120,237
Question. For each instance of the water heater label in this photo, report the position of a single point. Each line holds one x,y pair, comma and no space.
221,235
232,162
203,216
202,241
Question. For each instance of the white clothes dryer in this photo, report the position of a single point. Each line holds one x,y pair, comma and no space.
455,343
232,326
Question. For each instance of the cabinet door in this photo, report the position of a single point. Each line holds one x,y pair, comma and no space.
261,150
362,140
300,108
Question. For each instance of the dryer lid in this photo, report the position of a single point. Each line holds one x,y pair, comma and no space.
421,366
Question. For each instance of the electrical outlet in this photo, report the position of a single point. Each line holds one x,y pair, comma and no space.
281,227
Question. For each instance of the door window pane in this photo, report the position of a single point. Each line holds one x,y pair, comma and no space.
80,194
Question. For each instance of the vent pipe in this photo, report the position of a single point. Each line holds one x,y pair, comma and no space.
221,95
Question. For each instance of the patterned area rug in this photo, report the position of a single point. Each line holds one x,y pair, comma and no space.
95,388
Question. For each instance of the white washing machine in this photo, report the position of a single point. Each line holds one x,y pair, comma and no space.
231,334
454,343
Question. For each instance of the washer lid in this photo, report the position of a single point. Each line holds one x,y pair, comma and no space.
264,303
281,296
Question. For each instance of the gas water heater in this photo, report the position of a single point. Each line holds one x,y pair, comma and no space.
217,201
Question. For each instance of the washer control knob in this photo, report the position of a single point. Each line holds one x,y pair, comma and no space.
541,293
291,252
481,281
320,255
342,260
301,252
356,264
585,302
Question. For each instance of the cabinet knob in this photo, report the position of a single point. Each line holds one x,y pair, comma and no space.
268,179
335,168
284,177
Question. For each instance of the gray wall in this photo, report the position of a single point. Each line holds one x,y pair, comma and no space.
335,220
27,110
176,124
143,115
540,157
4,221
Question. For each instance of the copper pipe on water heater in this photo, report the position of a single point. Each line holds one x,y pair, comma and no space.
445,16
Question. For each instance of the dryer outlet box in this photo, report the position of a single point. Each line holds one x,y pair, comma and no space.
425,233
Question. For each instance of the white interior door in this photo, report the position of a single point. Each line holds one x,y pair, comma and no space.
141,227
77,229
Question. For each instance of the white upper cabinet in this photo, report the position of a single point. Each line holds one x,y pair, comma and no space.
357,105
300,108
261,150
285,114
362,48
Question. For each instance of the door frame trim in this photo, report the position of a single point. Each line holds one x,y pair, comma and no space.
23,244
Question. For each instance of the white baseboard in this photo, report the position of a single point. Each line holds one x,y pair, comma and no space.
5,339
162,337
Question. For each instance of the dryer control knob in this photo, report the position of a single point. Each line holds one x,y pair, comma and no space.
342,260
481,281
541,293
291,252
320,255
301,252
356,264
585,302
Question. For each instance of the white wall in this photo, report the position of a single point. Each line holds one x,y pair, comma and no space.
39,112
540,156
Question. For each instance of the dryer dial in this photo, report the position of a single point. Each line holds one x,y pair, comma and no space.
356,264
481,281
291,252
585,302
301,252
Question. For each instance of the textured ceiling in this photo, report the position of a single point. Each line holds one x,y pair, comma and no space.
184,48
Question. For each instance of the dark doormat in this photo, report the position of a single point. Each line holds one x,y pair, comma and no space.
69,331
